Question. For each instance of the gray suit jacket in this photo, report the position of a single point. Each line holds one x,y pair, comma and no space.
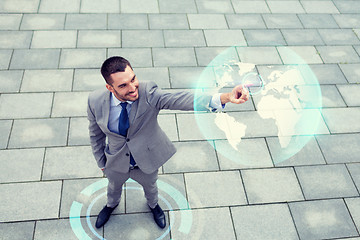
148,144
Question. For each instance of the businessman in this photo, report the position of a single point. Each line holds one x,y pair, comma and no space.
125,113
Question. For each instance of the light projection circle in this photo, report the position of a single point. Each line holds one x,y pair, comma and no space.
83,228
282,114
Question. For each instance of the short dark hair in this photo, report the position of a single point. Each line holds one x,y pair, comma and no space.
113,65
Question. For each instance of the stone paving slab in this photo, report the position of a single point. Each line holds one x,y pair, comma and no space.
354,170
174,6
5,58
326,181
22,165
139,57
347,6
302,37
184,38
322,219
182,161
349,93
281,21
57,229
332,97
206,6
87,80
310,154
53,6
338,54
39,133
206,55
68,104
187,77
5,129
267,37
351,71
338,36
85,21
18,230
163,57
128,21
47,80
271,221
207,21
318,20
353,205
34,105
160,75
245,21
42,22
342,120
204,224
10,80
69,163
54,39
334,152
204,191
256,154
271,185
18,206
328,73
35,59
81,58
285,7
168,21
319,7
250,7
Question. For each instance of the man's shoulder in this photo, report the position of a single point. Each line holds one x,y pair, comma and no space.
98,93
98,97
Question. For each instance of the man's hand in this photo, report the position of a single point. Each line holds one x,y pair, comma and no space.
238,95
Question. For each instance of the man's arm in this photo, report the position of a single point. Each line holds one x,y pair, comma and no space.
97,139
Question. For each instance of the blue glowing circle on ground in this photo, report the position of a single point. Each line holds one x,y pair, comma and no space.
94,188
282,115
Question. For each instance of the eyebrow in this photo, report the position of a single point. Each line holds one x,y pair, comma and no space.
125,83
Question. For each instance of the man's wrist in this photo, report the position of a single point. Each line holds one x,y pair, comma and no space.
224,98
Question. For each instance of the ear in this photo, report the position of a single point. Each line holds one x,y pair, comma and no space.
109,87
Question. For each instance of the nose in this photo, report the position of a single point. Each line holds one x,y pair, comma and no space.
132,87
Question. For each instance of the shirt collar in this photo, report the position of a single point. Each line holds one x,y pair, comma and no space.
116,102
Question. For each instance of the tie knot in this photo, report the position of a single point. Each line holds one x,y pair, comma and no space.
124,104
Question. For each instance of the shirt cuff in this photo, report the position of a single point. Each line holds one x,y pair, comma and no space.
215,102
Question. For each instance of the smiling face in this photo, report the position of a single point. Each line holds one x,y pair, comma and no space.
124,85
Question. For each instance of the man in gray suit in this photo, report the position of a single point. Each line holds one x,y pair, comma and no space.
125,113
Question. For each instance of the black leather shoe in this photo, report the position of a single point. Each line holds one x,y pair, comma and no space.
104,216
159,216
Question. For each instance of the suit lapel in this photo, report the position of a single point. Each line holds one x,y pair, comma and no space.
134,109
106,109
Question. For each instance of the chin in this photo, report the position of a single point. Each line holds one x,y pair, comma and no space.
133,98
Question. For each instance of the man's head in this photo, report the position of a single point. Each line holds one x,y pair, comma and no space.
120,78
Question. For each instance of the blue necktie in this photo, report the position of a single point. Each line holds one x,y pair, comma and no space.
124,126
123,120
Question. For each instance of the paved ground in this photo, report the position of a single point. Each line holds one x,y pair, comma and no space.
50,54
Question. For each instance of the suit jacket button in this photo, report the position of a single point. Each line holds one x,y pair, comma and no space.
127,154
128,139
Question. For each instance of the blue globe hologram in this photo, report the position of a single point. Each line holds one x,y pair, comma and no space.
285,103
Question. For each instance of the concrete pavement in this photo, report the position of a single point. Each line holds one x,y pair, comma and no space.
50,54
